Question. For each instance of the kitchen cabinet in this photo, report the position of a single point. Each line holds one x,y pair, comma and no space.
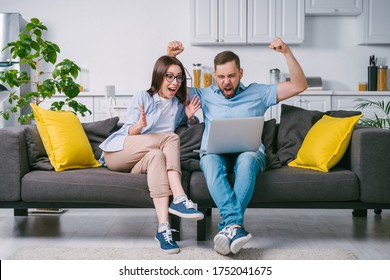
309,100
216,22
346,100
270,18
333,7
101,110
373,24
333,100
98,105
261,21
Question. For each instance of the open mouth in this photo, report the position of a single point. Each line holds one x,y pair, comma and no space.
172,90
228,91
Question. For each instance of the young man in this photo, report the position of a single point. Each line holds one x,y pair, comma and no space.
231,99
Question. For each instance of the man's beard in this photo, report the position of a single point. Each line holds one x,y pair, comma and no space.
230,95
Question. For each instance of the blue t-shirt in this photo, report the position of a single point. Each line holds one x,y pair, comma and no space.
250,101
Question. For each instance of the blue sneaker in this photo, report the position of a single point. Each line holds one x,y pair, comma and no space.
231,239
185,209
239,237
167,244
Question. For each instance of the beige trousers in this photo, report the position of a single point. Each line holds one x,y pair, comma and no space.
153,154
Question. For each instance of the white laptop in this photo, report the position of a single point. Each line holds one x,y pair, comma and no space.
234,135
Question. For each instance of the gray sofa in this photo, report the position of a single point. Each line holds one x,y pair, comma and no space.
360,181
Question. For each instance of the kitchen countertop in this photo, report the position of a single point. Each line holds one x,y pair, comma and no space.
307,92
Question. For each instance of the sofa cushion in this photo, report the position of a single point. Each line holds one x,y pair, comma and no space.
37,156
98,185
288,184
64,139
86,185
295,123
325,143
268,138
96,132
190,140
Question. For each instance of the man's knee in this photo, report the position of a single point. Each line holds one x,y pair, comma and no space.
249,159
213,164
209,160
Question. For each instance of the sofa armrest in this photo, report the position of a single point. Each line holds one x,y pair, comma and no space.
13,162
370,161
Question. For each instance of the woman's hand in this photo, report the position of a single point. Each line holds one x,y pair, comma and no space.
140,124
191,108
142,118
174,48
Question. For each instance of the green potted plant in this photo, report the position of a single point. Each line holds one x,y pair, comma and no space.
377,121
33,51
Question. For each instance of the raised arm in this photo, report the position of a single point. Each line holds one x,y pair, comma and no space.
175,48
297,82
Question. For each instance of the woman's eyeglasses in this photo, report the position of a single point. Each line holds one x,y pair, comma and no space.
171,77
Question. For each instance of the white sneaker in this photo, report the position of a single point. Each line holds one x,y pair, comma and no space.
222,242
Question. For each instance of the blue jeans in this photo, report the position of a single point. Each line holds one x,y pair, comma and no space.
232,201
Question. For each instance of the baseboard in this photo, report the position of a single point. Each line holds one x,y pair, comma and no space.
46,210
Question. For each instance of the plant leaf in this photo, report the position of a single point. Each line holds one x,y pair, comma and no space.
38,32
35,21
33,51
381,106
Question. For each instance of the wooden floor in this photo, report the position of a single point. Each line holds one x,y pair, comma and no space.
368,238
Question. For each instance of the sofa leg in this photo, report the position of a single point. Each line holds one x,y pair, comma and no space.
201,226
20,212
378,211
175,224
359,212
209,212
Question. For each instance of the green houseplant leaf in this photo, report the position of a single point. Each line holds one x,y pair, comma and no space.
33,50
381,106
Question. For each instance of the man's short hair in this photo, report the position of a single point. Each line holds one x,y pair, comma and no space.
225,57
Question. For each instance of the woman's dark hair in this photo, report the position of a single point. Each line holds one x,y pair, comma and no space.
160,69
225,57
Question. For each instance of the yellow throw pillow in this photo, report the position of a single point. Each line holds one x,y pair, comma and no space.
325,143
64,139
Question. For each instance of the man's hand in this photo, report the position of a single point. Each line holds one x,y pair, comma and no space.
191,108
278,45
174,48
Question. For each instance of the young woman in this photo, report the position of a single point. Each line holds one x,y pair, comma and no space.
146,143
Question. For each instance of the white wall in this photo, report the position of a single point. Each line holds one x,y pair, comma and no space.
118,41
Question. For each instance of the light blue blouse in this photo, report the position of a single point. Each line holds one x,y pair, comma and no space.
116,140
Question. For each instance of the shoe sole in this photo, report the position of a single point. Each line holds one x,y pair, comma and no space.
168,251
239,243
222,244
194,216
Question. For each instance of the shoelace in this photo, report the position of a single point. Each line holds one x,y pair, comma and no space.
168,235
188,203
229,231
